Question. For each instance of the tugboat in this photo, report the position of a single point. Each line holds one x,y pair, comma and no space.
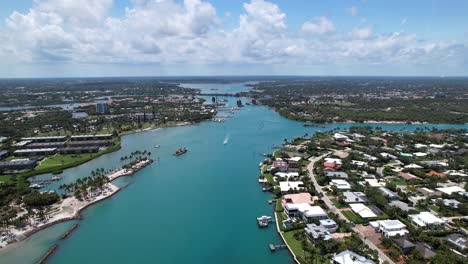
180,151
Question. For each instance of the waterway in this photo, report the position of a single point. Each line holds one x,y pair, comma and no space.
196,208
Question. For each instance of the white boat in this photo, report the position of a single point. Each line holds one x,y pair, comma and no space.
157,146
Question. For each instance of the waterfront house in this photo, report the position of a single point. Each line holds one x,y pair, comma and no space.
286,186
340,184
350,257
287,175
329,224
296,198
362,210
305,211
426,219
355,197
458,241
315,232
281,165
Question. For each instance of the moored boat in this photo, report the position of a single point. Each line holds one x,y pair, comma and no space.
180,151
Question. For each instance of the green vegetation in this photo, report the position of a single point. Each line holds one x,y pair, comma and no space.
37,199
352,217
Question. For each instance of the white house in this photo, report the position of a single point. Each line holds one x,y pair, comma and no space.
350,257
340,184
359,163
451,189
426,219
287,174
285,186
390,228
362,210
332,160
305,210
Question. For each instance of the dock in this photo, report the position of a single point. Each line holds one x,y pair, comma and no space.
264,221
275,247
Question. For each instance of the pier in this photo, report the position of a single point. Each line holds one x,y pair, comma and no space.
275,247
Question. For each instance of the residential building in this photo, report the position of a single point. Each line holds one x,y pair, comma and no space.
102,108
4,154
402,205
19,164
286,186
91,137
78,150
426,219
340,184
329,224
315,232
350,257
297,198
359,163
390,194
355,197
390,228
287,175
405,245
336,174
425,250
281,165
451,189
458,241
45,139
305,211
35,152
362,210
451,203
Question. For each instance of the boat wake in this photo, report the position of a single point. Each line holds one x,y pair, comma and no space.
226,140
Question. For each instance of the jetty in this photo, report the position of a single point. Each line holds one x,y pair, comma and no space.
64,236
47,254
275,247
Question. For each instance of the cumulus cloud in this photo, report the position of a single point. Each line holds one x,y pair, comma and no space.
191,33
319,25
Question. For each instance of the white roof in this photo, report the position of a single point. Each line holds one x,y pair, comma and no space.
358,163
295,159
450,190
287,174
307,209
372,182
426,218
420,154
349,257
340,136
287,185
35,150
340,184
331,160
362,210
413,166
391,224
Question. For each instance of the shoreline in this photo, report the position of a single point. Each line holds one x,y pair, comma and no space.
70,208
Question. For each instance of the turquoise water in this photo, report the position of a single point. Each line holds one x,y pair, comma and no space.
198,208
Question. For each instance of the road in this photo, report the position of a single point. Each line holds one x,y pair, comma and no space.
335,210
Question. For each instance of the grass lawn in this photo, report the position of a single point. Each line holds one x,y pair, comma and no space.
5,178
278,206
434,208
398,182
352,217
296,245
337,204
61,160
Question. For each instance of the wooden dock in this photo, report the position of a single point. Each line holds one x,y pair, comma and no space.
275,247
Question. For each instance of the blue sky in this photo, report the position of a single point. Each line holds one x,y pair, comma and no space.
60,38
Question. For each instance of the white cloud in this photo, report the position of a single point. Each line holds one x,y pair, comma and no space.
362,33
352,11
319,25
170,32
403,21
